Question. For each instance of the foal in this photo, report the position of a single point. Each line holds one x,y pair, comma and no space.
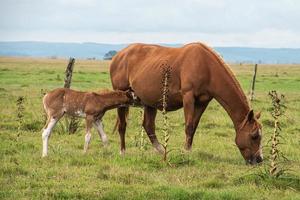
89,105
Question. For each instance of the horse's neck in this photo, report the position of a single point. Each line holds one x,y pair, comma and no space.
229,94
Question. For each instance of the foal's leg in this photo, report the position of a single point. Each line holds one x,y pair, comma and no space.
149,126
122,127
99,127
189,110
47,132
198,111
89,122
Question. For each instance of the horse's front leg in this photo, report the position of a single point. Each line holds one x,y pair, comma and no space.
199,108
149,126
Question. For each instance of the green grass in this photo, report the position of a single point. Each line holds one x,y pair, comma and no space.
213,170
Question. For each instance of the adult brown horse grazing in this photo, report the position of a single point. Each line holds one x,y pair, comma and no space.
198,74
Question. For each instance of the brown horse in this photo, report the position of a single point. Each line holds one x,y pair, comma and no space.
198,75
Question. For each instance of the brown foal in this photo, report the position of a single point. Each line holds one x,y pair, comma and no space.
92,106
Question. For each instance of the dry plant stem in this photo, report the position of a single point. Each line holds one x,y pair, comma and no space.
277,111
20,113
74,125
274,152
142,134
165,92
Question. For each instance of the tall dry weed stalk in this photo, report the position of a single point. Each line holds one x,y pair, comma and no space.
20,113
165,95
140,136
74,124
277,110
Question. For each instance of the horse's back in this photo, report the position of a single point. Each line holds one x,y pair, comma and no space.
140,66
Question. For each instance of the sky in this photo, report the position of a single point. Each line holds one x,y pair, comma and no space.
255,23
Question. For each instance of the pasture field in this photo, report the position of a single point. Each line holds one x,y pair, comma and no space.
213,170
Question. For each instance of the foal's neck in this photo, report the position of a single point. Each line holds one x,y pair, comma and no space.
113,99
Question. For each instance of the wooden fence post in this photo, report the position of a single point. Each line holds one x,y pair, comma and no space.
69,72
253,83
73,123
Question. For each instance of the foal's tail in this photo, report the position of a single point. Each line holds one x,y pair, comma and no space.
118,121
45,111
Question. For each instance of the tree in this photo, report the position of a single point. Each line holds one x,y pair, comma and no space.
109,55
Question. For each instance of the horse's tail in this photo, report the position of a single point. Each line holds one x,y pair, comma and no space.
116,125
118,121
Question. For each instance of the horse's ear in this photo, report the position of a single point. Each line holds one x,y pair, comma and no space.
250,115
258,115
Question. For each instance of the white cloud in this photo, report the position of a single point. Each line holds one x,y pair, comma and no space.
219,22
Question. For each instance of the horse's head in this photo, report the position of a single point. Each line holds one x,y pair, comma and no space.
248,139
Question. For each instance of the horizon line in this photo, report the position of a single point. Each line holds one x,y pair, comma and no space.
159,43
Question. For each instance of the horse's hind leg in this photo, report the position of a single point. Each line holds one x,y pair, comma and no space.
189,109
149,125
122,112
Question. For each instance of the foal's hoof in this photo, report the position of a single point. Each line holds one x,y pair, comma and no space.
105,144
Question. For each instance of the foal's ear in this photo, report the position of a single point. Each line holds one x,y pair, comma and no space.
250,115
94,93
128,94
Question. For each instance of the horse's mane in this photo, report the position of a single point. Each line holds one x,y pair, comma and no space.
228,70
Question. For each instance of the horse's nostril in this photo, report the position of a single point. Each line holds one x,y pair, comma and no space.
259,159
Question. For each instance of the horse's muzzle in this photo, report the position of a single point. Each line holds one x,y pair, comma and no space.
255,160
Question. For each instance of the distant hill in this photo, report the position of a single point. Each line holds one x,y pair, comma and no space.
98,50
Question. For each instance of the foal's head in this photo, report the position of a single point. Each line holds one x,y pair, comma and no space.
133,99
248,139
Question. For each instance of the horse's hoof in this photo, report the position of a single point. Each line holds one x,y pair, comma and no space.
122,152
159,148
188,148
